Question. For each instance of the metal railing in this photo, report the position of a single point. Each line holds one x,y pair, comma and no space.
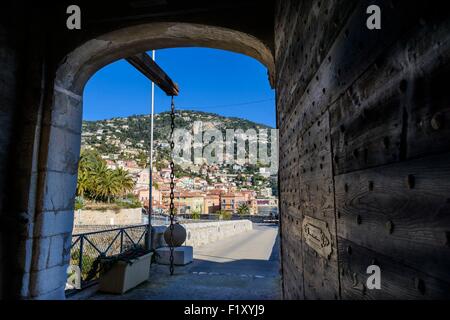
87,247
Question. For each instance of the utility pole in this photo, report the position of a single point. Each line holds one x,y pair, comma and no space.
150,193
148,67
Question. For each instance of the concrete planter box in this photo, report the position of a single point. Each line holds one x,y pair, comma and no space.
124,276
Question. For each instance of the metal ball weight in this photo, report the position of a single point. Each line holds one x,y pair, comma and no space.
179,235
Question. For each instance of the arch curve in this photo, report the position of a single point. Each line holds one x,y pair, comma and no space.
78,66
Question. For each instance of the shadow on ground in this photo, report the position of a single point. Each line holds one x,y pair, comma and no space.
215,276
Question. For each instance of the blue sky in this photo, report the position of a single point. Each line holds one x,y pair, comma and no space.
210,80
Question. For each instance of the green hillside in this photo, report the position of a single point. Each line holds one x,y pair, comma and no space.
128,137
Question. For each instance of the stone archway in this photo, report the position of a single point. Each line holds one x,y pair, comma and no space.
61,132
84,61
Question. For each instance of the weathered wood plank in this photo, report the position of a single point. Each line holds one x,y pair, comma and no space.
400,210
292,262
428,107
292,274
429,112
315,170
386,115
316,204
320,276
353,52
315,151
286,15
317,27
397,280
361,137
151,70
290,219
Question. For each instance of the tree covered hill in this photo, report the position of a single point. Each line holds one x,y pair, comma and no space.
129,137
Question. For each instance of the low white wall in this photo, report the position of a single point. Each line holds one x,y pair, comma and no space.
108,217
201,233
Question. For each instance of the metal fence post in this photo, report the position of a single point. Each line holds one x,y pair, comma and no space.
80,260
148,237
121,240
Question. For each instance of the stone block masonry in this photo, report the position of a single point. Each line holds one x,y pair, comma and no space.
120,217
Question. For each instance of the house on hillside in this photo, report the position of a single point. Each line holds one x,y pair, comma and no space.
211,203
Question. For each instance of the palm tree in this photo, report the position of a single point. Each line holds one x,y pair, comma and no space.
125,180
83,183
98,175
86,166
99,182
109,185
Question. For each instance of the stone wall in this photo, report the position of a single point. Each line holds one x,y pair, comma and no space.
202,233
20,112
8,65
108,217
364,148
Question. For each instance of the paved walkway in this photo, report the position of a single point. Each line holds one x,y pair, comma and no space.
245,266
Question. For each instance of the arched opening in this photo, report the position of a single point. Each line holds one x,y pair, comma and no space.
84,61
57,183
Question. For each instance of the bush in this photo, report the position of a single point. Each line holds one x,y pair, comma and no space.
224,215
130,201
79,203
243,209
196,214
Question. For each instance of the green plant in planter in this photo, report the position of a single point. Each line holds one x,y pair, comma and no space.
102,264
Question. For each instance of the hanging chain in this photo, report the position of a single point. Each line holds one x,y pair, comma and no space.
172,184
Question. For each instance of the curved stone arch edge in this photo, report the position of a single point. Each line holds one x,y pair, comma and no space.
79,65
